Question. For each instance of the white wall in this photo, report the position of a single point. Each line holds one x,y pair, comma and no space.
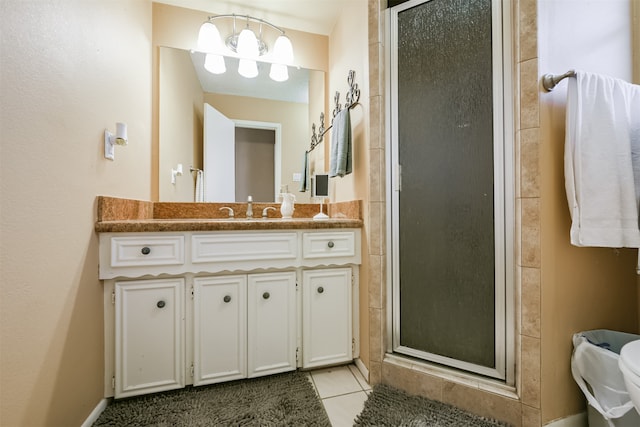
69,69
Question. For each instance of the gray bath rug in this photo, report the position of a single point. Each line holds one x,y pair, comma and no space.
276,400
387,406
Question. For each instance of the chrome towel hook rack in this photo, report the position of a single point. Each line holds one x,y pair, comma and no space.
549,81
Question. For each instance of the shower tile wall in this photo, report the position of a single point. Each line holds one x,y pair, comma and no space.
524,411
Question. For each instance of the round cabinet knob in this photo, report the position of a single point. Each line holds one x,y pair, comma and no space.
161,304
266,295
330,244
146,250
227,298
320,289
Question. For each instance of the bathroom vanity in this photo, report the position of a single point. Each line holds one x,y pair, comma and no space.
201,301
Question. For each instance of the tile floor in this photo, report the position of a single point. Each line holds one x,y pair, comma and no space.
343,391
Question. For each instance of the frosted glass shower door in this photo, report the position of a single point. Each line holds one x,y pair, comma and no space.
446,208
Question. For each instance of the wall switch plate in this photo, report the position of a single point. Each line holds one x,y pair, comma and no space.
297,177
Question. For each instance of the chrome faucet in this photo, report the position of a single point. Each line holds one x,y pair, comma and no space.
229,209
249,207
265,211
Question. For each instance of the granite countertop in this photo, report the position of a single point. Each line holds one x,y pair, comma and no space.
117,215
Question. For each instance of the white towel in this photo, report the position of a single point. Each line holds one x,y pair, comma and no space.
199,196
340,161
602,161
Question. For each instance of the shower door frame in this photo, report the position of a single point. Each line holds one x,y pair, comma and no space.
504,197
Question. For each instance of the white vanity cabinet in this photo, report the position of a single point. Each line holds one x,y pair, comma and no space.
202,307
219,329
149,333
244,326
271,331
326,317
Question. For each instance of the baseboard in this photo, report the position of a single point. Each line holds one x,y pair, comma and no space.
93,416
578,420
363,369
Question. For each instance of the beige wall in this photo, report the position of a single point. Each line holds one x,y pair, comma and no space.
180,139
581,288
347,51
70,69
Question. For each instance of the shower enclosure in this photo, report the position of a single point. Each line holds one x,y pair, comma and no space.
451,193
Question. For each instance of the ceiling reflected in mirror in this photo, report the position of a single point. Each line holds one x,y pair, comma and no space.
295,89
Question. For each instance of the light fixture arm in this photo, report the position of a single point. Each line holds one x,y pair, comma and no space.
248,18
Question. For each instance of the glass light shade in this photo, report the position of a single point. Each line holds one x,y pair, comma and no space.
209,38
214,63
247,68
247,44
279,72
282,50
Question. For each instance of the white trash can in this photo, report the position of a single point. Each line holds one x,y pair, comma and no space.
594,365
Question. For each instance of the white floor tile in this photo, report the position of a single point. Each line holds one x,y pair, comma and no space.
342,410
356,373
335,381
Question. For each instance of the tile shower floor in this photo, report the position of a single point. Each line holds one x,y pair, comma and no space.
343,391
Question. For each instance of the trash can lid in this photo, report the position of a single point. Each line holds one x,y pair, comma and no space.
630,356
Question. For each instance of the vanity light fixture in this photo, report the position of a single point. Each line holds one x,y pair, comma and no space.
209,41
111,140
246,45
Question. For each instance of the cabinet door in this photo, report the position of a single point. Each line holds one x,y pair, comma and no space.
326,317
272,323
149,336
219,329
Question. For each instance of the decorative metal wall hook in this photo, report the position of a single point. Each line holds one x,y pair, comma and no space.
353,98
314,137
353,95
321,129
338,107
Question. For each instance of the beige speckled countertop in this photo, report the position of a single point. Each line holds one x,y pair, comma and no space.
117,215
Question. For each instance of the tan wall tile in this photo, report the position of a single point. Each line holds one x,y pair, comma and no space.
375,373
376,25
376,124
530,324
375,281
376,69
376,164
528,29
483,403
531,417
530,360
529,163
530,232
412,382
529,108
376,324
376,228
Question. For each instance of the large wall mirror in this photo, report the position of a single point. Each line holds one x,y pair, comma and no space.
270,123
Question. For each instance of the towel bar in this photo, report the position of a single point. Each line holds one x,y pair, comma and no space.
549,81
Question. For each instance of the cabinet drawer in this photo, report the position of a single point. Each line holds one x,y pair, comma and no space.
243,247
328,245
144,251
